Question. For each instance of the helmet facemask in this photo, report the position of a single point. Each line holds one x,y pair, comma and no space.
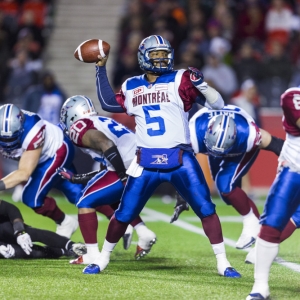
156,65
11,124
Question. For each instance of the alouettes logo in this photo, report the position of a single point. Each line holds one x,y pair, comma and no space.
137,91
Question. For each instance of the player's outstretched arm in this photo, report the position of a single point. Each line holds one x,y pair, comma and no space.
105,93
15,217
76,178
27,164
270,142
213,98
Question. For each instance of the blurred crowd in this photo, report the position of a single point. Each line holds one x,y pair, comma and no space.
249,50
25,27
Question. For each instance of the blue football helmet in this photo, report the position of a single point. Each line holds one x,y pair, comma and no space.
155,43
220,135
75,108
11,127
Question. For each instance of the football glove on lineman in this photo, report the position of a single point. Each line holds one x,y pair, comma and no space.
24,240
196,76
7,251
180,206
65,174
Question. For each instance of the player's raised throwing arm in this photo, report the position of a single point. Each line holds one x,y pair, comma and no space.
105,93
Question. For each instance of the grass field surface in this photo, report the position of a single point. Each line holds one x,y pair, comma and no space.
180,266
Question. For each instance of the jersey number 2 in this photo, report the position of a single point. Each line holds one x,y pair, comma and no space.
115,128
150,120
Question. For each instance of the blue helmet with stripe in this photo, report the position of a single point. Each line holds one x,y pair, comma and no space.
11,127
157,65
75,108
220,135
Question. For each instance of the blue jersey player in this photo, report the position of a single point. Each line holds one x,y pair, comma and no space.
232,141
160,100
40,148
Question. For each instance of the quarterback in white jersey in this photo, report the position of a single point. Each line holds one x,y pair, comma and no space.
160,100
40,148
113,146
283,199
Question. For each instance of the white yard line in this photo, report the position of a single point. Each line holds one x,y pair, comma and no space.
155,215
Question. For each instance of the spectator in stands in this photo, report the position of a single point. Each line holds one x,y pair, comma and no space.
22,74
4,54
164,10
276,73
248,99
28,22
25,41
247,63
8,27
278,22
38,8
135,19
222,75
45,99
250,23
196,40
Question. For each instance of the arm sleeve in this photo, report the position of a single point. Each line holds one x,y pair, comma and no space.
204,95
105,93
14,215
114,157
10,210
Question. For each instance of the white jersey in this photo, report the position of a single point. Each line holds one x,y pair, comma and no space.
160,115
37,133
121,136
290,153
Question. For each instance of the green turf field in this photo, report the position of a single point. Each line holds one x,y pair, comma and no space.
180,266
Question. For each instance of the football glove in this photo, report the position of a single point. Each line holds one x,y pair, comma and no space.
7,251
196,76
24,240
180,206
65,174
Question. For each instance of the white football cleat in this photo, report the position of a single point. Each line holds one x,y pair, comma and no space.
251,228
67,227
84,259
127,237
145,243
259,292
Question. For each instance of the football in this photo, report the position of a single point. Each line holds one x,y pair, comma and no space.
89,50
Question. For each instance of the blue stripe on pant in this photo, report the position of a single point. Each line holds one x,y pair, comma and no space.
283,199
188,180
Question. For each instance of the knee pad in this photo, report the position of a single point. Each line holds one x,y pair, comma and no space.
124,217
207,209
